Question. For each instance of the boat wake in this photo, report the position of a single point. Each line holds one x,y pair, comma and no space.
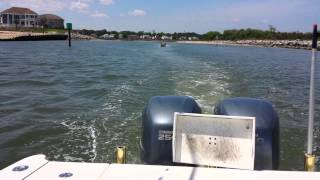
207,86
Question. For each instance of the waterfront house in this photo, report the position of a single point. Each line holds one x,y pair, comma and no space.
183,38
108,36
155,37
51,21
18,17
193,38
166,37
133,37
120,36
145,37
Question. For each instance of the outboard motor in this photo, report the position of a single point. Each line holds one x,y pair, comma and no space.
157,125
267,128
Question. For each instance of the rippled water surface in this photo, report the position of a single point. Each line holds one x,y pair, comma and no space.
78,104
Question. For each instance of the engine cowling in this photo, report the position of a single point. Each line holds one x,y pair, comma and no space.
267,128
157,125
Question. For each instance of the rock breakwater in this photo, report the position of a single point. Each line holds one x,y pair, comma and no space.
294,44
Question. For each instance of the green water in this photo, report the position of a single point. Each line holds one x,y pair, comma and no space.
78,104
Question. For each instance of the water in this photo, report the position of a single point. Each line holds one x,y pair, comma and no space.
78,104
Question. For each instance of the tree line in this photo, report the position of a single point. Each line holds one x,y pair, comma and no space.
242,34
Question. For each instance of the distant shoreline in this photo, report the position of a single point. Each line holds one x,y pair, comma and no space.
292,44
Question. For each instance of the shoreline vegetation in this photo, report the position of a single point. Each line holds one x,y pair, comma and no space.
239,37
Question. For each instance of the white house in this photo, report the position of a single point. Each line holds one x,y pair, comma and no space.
145,37
108,36
166,38
193,38
18,17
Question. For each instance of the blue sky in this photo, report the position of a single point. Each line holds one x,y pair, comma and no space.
179,15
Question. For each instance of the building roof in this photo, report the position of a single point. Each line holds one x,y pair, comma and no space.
51,16
19,10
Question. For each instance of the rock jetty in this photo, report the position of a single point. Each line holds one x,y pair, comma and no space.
77,36
293,44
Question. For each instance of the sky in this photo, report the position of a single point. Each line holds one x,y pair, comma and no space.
179,15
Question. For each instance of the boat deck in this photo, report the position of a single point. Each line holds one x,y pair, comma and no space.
38,168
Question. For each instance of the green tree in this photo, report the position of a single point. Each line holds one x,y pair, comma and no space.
140,33
212,35
272,29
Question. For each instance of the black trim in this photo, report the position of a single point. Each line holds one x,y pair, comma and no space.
315,37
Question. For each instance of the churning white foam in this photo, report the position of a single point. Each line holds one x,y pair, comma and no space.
94,142
207,87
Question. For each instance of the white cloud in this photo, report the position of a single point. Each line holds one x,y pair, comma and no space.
40,6
106,2
79,6
137,12
99,15
235,20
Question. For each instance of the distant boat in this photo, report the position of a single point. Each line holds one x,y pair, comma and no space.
163,44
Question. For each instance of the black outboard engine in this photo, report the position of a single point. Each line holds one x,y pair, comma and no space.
157,122
267,128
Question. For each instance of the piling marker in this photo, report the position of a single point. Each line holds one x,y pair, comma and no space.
309,158
69,27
